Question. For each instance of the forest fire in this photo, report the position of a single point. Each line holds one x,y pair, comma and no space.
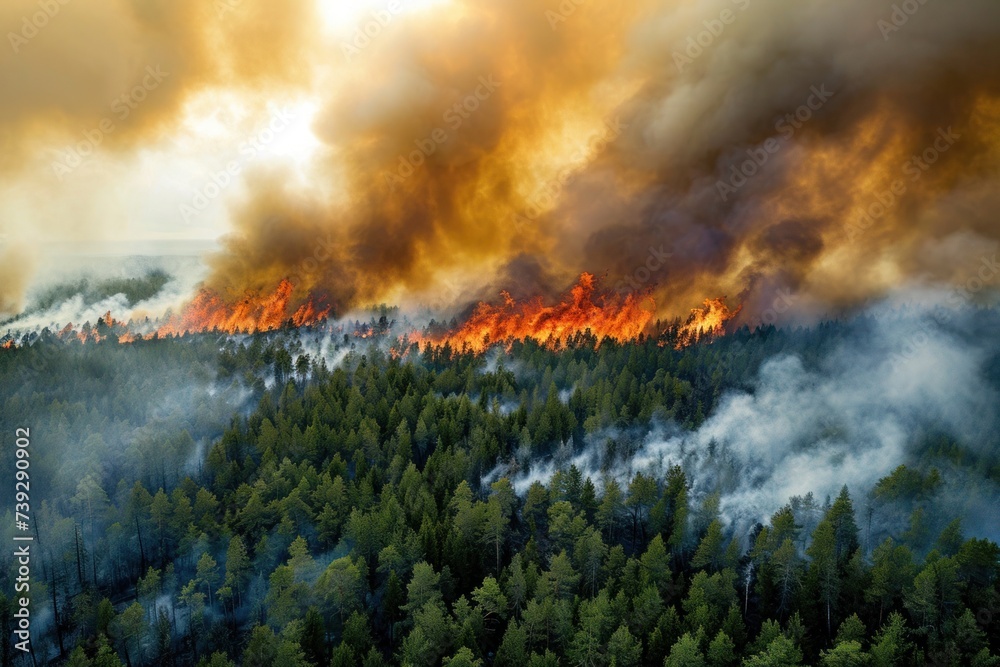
705,322
209,312
586,307
604,314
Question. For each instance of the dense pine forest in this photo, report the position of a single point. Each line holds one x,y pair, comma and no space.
299,499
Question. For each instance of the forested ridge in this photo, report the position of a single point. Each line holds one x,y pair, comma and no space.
240,501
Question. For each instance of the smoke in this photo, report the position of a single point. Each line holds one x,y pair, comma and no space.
850,414
85,289
14,270
90,86
63,78
431,154
747,148
591,137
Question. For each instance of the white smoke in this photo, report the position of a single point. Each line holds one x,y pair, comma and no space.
80,308
849,417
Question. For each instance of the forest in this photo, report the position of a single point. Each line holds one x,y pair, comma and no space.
303,498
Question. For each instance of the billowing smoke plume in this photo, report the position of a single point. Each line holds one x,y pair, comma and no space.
88,86
748,148
723,147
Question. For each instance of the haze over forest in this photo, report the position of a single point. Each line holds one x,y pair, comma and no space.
442,333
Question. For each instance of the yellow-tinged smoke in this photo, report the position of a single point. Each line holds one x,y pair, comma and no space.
112,77
746,147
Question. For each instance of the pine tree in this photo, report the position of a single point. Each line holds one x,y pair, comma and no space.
610,510
845,528
686,653
624,650
710,551
721,651
787,570
823,568
890,646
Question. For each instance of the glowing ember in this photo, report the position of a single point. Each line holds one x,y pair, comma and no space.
208,312
605,315
705,322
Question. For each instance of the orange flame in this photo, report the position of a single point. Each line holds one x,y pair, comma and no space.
586,308
7,345
209,312
604,314
705,322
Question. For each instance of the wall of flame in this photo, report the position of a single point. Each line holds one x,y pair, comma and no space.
599,137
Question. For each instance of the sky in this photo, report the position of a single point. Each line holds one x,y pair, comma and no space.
138,194
436,151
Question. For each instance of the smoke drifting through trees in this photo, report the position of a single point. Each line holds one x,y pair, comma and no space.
876,397
327,487
861,405
137,509
85,289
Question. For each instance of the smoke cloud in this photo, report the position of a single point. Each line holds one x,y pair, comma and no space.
831,151
869,148
88,87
